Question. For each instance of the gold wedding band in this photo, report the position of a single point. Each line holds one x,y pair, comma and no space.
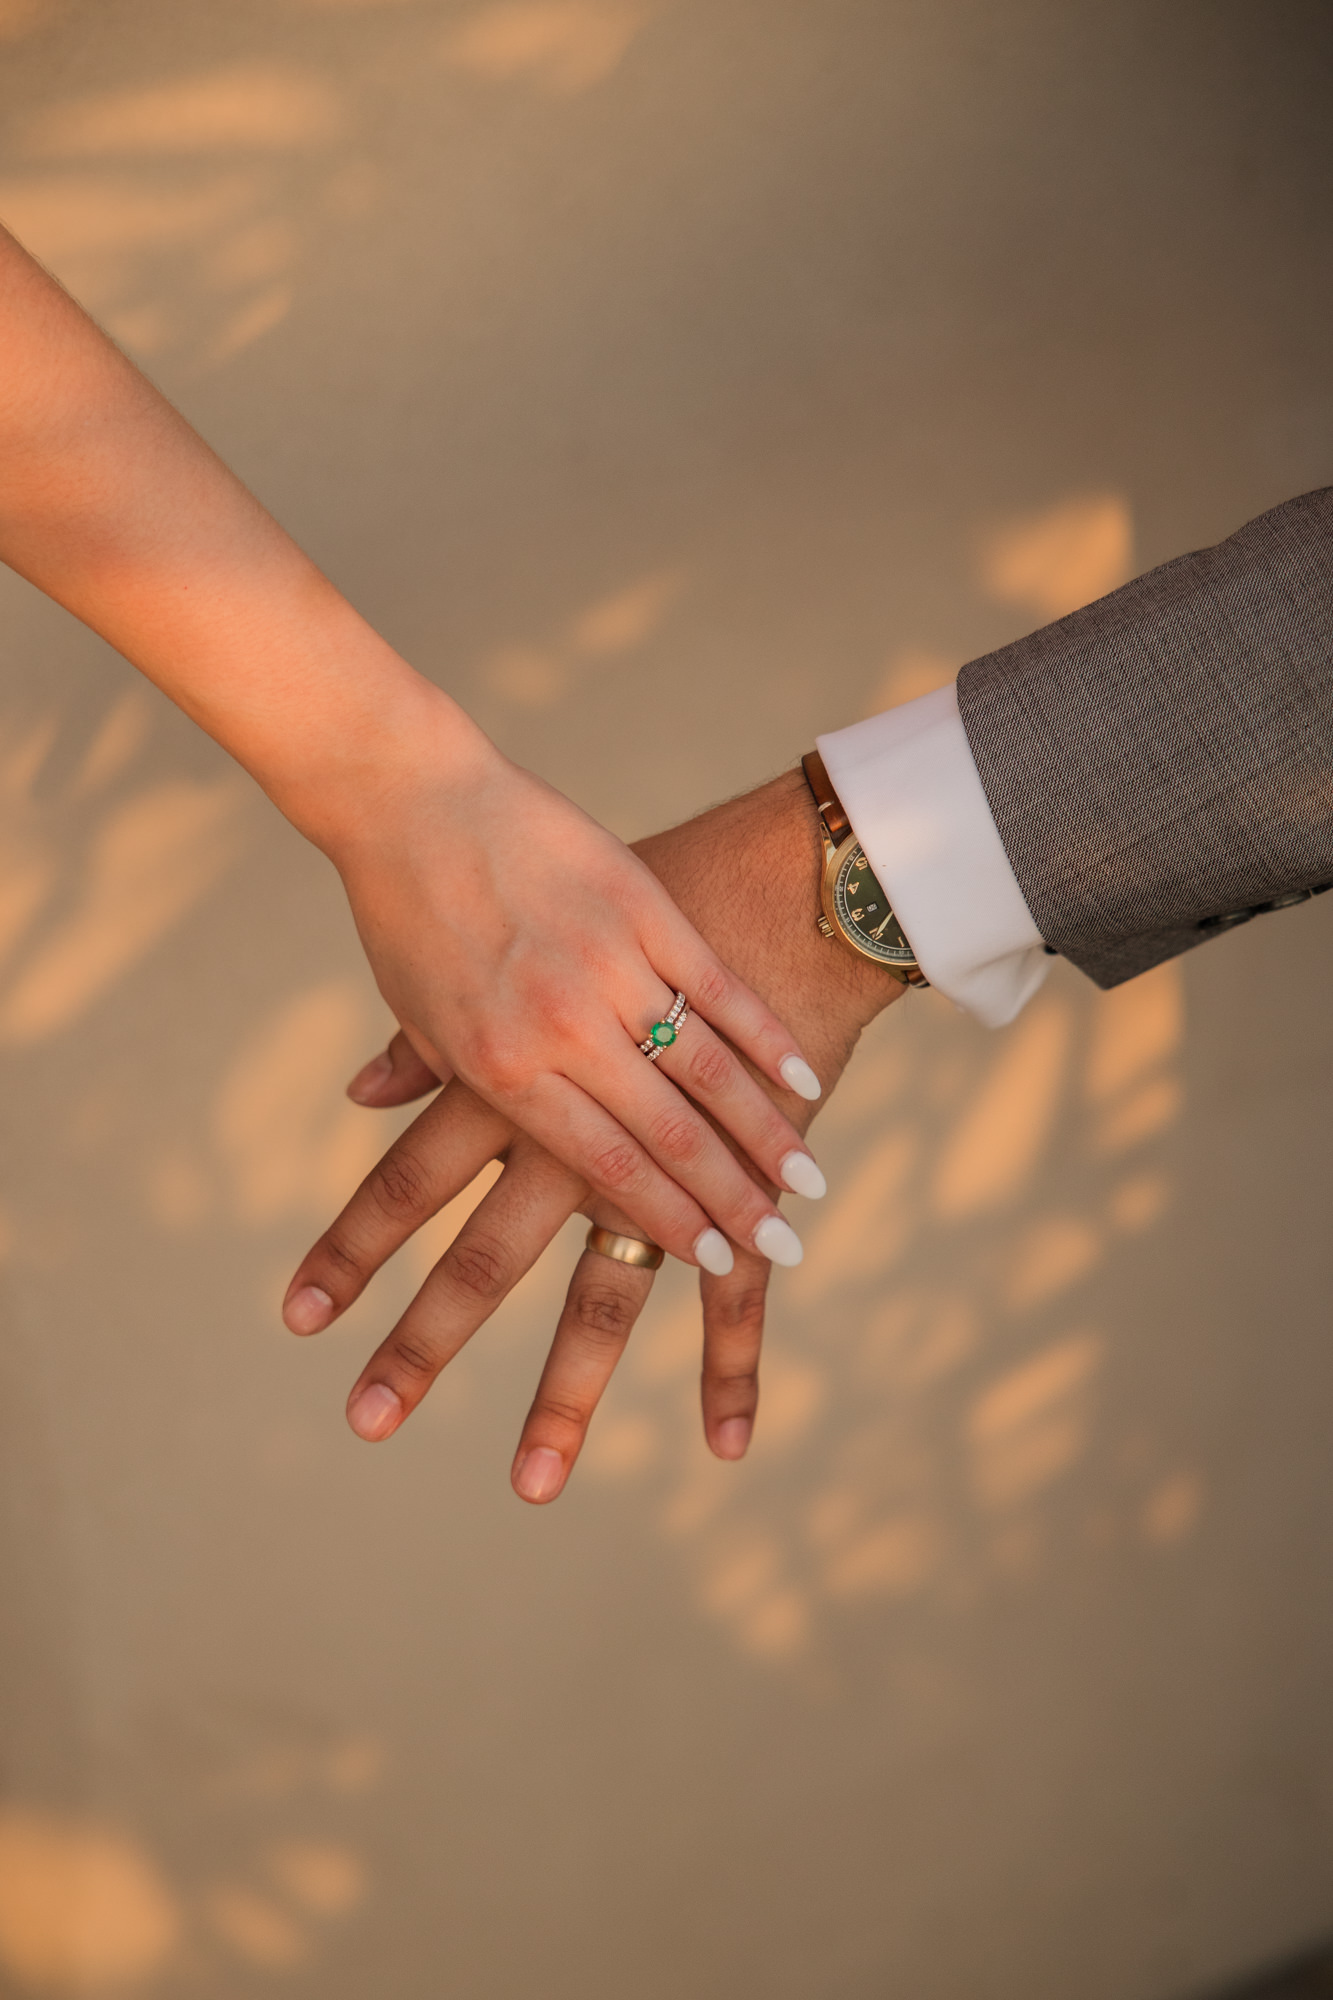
625,1249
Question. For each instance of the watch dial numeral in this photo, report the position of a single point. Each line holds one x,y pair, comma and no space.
870,919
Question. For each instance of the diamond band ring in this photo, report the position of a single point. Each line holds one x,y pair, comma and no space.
663,1033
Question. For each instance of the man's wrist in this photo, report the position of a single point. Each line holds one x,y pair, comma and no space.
747,875
910,786
856,988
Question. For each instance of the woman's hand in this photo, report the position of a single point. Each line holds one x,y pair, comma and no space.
527,951
744,871
518,943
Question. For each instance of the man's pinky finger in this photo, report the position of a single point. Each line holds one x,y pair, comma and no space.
733,1335
604,1300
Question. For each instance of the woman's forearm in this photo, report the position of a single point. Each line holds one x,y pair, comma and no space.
536,994
115,507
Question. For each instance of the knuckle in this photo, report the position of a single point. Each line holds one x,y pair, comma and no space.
413,1354
712,1068
618,1165
398,1185
679,1136
604,1312
741,1385
478,1266
712,988
563,1011
497,1064
506,1077
739,1309
561,1411
342,1255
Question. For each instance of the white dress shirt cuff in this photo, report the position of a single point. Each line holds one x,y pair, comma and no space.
911,791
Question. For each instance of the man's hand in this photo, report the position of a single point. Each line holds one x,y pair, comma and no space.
747,876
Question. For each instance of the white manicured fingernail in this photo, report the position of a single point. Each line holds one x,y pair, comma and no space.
799,1076
713,1252
802,1176
778,1241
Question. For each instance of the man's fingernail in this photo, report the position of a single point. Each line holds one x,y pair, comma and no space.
778,1241
539,1474
733,1437
308,1311
802,1176
367,1084
799,1076
713,1253
375,1411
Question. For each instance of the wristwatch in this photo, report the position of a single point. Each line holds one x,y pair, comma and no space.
854,908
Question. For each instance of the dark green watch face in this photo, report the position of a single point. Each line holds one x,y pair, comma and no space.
863,911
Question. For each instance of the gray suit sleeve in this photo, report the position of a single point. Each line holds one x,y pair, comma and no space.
1160,764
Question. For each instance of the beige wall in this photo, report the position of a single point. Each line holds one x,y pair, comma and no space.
670,381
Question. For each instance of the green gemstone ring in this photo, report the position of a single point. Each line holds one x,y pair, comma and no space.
663,1033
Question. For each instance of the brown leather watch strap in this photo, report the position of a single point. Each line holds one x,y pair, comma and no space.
825,798
838,826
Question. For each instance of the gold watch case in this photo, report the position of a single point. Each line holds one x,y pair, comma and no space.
857,913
